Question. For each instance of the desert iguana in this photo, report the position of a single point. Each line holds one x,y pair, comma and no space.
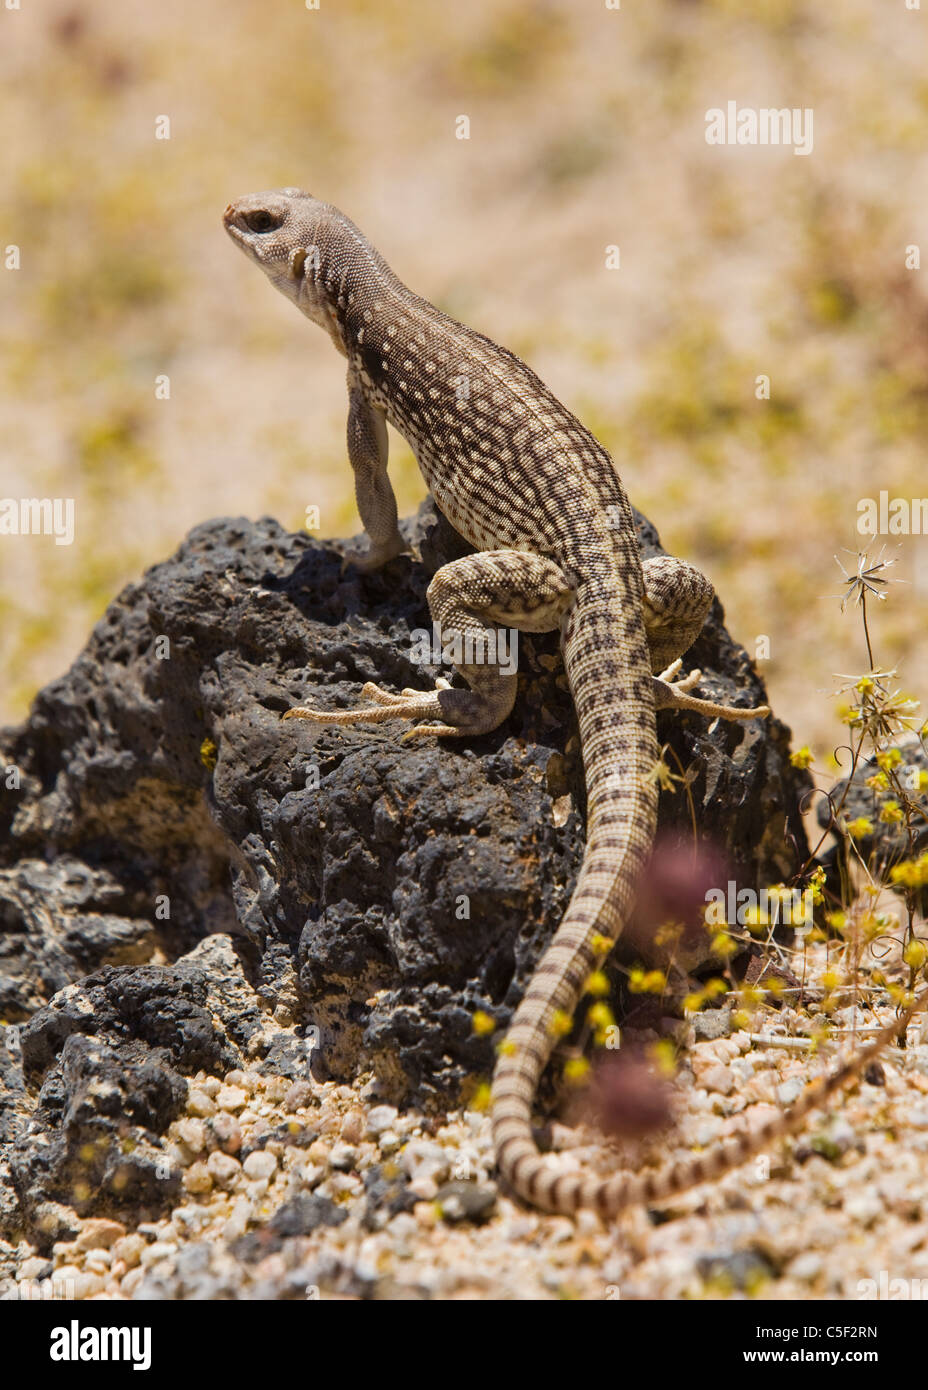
519,477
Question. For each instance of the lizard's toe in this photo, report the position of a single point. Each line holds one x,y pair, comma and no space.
370,691
441,730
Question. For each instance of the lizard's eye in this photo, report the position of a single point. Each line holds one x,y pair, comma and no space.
261,221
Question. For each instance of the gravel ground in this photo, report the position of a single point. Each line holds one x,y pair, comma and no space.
308,1190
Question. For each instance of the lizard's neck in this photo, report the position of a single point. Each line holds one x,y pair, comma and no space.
347,284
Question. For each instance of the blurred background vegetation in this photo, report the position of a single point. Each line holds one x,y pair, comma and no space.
587,130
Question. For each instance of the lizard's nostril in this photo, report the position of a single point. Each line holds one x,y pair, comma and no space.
229,212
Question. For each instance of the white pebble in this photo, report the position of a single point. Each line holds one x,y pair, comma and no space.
805,1267
199,1103
260,1164
381,1117
159,1251
231,1098
223,1168
789,1090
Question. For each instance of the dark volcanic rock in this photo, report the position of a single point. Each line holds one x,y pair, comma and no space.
162,1006
323,897
90,1144
852,799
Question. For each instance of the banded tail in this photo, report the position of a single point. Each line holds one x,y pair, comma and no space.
608,668
616,716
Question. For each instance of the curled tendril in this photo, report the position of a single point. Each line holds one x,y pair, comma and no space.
805,800
841,748
892,941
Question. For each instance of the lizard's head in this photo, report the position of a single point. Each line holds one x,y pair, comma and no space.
285,233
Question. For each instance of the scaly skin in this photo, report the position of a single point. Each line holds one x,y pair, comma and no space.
518,476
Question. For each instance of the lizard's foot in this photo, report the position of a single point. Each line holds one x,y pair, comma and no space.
370,691
682,686
411,704
375,556
674,694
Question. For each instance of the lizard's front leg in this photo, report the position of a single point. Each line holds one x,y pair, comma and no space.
368,449
471,600
677,599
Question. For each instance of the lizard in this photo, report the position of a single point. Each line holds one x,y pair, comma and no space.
541,500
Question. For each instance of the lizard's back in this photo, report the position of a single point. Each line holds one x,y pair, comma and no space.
506,462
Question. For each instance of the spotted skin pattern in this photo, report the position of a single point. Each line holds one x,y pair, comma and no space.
518,475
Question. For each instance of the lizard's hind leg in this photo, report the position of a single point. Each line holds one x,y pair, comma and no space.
677,599
472,601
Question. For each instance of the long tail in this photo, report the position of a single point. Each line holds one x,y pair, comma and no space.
619,747
606,657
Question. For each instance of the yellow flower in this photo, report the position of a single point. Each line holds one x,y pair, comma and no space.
209,754
576,1069
596,984
699,998
911,873
915,954
723,945
891,813
663,1053
803,757
668,934
751,997
755,920
817,885
859,827
888,759
483,1024
600,1016
600,944
480,1100
561,1024
646,982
